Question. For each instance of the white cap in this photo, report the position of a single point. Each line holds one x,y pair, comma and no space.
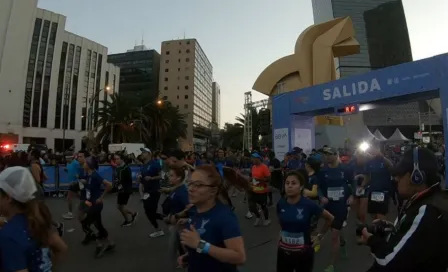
18,183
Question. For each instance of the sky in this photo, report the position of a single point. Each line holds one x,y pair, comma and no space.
239,37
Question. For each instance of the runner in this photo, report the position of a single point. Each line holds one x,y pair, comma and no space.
258,197
359,167
336,194
213,236
123,175
75,173
295,214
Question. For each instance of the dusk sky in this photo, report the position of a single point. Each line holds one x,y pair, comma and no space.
240,37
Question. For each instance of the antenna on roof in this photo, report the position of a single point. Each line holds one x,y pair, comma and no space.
143,38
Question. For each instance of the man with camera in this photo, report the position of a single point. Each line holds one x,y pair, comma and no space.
417,240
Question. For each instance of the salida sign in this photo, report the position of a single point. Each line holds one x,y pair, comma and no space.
356,88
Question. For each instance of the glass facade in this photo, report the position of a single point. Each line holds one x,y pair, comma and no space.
85,97
139,71
97,89
74,93
203,80
47,75
67,87
60,89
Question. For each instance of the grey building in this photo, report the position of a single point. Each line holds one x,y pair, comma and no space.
216,104
139,70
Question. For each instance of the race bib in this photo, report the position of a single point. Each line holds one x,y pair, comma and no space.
293,239
255,182
335,193
259,189
87,194
120,187
145,196
360,191
163,175
377,196
81,185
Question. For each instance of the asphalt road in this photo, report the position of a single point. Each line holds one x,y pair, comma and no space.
136,252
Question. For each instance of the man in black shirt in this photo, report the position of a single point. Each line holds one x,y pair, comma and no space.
417,241
124,187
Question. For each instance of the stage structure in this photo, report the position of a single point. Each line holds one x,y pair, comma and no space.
293,112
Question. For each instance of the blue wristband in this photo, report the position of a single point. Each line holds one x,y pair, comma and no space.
206,248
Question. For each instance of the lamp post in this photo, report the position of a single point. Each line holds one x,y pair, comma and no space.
90,114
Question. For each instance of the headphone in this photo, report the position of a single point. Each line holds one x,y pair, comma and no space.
418,177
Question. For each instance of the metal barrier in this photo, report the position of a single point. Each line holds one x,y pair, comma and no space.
58,177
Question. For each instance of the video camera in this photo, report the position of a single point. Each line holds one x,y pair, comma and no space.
379,228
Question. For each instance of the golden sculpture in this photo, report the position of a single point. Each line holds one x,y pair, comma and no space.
313,61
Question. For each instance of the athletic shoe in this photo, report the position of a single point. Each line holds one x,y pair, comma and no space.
257,222
157,234
330,268
134,217
68,216
266,223
99,251
88,239
60,229
249,215
126,223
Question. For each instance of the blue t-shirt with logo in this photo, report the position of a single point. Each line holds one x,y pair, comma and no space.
19,251
92,188
380,179
295,221
73,170
179,199
334,185
151,169
214,226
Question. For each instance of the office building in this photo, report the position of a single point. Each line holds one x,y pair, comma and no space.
139,71
186,78
216,104
50,78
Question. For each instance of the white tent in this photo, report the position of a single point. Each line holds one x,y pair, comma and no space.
367,135
379,136
397,137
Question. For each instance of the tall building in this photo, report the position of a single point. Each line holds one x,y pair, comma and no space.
186,77
139,70
52,81
216,104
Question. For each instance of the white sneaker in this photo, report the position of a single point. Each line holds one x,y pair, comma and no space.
266,222
249,215
257,222
157,234
67,216
344,224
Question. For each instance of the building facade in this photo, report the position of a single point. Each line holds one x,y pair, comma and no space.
216,104
186,77
50,78
139,71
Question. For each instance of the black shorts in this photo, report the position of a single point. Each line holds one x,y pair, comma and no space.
260,199
74,187
123,198
378,202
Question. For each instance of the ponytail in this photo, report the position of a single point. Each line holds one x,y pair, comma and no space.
39,220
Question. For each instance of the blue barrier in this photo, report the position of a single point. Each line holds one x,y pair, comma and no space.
51,184
63,182
106,172
135,170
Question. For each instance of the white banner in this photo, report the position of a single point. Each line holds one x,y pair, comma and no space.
303,139
281,142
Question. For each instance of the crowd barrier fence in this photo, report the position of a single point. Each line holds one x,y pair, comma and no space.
58,177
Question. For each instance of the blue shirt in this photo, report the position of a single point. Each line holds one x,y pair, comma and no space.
334,185
179,199
19,251
151,169
214,226
380,179
92,189
294,164
73,170
295,221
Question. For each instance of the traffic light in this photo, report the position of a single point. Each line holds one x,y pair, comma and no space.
265,121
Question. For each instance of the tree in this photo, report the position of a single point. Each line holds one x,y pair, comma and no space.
140,119
255,125
232,136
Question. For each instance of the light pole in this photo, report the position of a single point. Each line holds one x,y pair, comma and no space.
90,114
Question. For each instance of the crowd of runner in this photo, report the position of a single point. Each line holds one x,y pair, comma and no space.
197,209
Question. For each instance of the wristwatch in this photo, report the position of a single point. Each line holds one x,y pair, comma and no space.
203,247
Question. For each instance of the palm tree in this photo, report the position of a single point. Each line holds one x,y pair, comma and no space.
232,136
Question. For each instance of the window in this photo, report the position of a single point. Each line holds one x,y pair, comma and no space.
186,87
166,70
165,97
188,42
167,52
179,60
166,88
180,51
178,69
186,106
187,77
177,106
178,87
177,97
166,79
188,51
187,60
186,96
167,61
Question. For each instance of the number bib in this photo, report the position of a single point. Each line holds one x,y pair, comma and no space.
146,196
377,196
360,191
292,239
87,194
81,185
335,193
120,187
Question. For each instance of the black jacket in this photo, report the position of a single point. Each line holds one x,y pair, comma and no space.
419,240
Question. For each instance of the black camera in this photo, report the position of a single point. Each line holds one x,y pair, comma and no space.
380,228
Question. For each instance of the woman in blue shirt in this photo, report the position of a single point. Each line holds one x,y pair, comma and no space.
92,197
295,213
26,236
213,236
